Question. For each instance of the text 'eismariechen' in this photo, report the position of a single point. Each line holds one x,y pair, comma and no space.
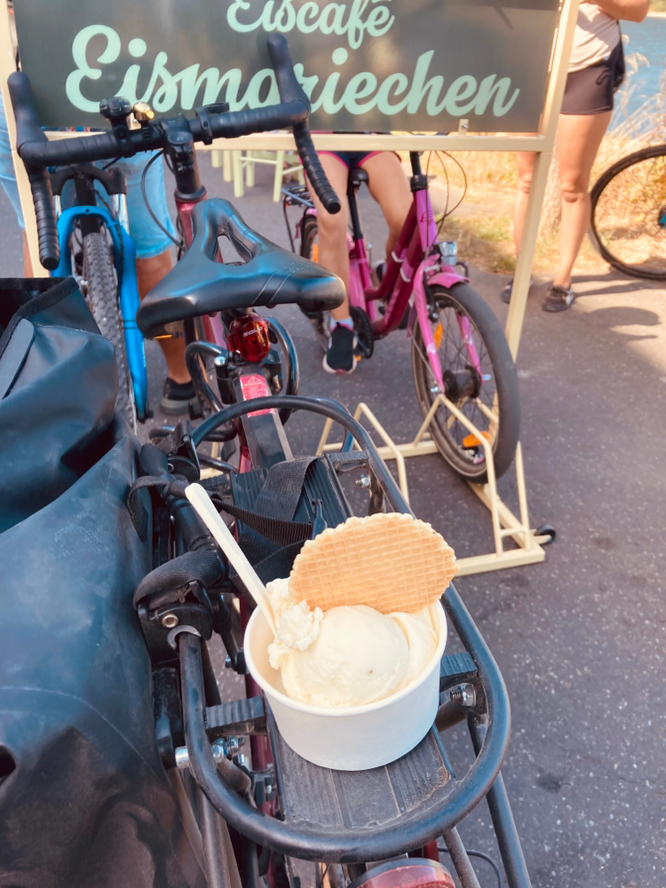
358,94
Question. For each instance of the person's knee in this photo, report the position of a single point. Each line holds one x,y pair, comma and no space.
525,182
332,227
573,190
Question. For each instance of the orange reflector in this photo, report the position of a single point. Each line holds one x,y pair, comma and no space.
315,252
439,332
470,441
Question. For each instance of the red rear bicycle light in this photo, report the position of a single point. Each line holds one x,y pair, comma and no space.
249,337
406,873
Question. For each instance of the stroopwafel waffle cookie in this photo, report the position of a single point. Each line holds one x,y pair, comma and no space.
388,561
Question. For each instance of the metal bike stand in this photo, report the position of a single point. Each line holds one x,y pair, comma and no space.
504,523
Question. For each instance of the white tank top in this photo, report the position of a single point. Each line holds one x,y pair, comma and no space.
597,34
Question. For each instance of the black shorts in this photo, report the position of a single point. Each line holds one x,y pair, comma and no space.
352,159
591,90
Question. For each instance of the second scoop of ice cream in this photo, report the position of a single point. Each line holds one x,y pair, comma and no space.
349,656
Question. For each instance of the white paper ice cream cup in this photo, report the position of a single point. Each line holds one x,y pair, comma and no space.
357,737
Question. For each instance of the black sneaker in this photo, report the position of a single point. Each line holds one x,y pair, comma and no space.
558,298
177,397
379,269
340,356
505,295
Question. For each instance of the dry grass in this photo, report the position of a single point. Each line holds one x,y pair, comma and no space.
483,225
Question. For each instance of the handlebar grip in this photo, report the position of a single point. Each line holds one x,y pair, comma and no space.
289,88
314,171
29,130
291,91
27,122
47,227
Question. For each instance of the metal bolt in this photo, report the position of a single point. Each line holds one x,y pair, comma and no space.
464,695
218,748
228,662
363,481
170,621
463,125
182,758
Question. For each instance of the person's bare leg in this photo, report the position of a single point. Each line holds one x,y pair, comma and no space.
390,188
333,252
150,272
27,261
578,139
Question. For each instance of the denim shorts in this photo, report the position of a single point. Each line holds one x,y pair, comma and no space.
148,238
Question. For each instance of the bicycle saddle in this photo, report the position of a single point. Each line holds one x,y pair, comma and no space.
267,275
357,176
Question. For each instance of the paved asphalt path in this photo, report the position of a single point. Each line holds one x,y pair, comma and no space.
580,638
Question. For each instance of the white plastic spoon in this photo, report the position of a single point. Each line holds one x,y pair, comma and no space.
225,540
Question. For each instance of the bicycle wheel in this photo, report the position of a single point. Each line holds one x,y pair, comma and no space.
629,214
101,291
490,385
320,320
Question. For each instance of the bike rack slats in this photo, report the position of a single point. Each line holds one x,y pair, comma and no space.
362,800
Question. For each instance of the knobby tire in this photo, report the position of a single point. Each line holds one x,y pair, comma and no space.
102,296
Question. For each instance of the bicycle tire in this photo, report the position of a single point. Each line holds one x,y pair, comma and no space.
320,320
498,381
101,292
629,214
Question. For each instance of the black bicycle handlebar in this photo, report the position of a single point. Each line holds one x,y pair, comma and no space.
29,130
38,153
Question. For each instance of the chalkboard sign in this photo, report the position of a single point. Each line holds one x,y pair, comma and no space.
367,65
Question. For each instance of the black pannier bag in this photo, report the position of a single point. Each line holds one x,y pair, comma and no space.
84,799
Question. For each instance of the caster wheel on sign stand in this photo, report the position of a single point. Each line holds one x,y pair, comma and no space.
546,530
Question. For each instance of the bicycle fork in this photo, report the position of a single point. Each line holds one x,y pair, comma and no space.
445,279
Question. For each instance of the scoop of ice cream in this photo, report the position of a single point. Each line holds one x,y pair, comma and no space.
421,641
348,656
359,656
297,626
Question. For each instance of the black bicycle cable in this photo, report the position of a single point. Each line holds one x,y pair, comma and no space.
447,211
144,194
464,175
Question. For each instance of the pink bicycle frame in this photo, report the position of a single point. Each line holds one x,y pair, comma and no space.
404,278
213,327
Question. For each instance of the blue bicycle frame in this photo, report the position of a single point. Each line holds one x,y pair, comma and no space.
124,255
